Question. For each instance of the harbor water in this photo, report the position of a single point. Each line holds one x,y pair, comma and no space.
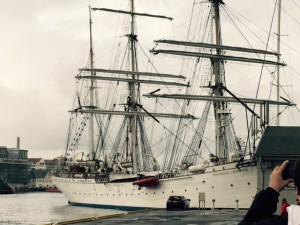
42,208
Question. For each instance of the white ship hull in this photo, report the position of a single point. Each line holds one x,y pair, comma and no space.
224,186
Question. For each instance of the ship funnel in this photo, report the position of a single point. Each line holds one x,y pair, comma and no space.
18,142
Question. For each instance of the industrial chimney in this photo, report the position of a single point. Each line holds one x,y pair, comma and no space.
18,142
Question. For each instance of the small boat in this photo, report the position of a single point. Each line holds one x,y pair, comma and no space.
53,189
25,189
147,182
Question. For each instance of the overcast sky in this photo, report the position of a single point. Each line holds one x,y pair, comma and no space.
43,43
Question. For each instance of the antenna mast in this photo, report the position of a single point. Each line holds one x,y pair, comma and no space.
278,58
217,66
132,91
91,122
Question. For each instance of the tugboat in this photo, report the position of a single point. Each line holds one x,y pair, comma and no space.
5,188
53,189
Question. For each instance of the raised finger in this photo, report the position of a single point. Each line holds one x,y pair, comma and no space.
283,165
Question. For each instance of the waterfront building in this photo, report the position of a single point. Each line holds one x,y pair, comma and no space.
51,164
40,179
23,172
14,168
41,170
37,163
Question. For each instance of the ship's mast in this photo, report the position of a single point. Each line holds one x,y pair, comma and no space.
132,91
91,122
225,135
217,65
133,83
278,59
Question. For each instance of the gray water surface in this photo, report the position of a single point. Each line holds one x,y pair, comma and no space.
42,208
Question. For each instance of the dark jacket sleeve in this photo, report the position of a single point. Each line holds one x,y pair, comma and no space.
262,208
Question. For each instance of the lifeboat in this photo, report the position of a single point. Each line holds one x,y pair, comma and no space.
147,182
198,168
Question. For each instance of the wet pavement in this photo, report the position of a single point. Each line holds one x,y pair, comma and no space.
164,217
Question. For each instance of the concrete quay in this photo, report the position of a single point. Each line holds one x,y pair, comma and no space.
164,217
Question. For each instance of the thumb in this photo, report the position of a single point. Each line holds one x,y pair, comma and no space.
290,180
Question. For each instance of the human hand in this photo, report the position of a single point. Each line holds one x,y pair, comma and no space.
276,181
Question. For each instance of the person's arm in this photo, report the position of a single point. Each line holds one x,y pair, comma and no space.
263,206
265,203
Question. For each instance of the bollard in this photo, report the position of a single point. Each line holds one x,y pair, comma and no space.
237,204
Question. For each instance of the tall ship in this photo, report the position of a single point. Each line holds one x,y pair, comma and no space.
137,136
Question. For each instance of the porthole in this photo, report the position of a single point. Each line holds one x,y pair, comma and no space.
248,183
231,185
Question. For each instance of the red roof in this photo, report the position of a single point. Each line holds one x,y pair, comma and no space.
34,160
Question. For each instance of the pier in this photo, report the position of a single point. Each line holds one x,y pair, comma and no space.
164,217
